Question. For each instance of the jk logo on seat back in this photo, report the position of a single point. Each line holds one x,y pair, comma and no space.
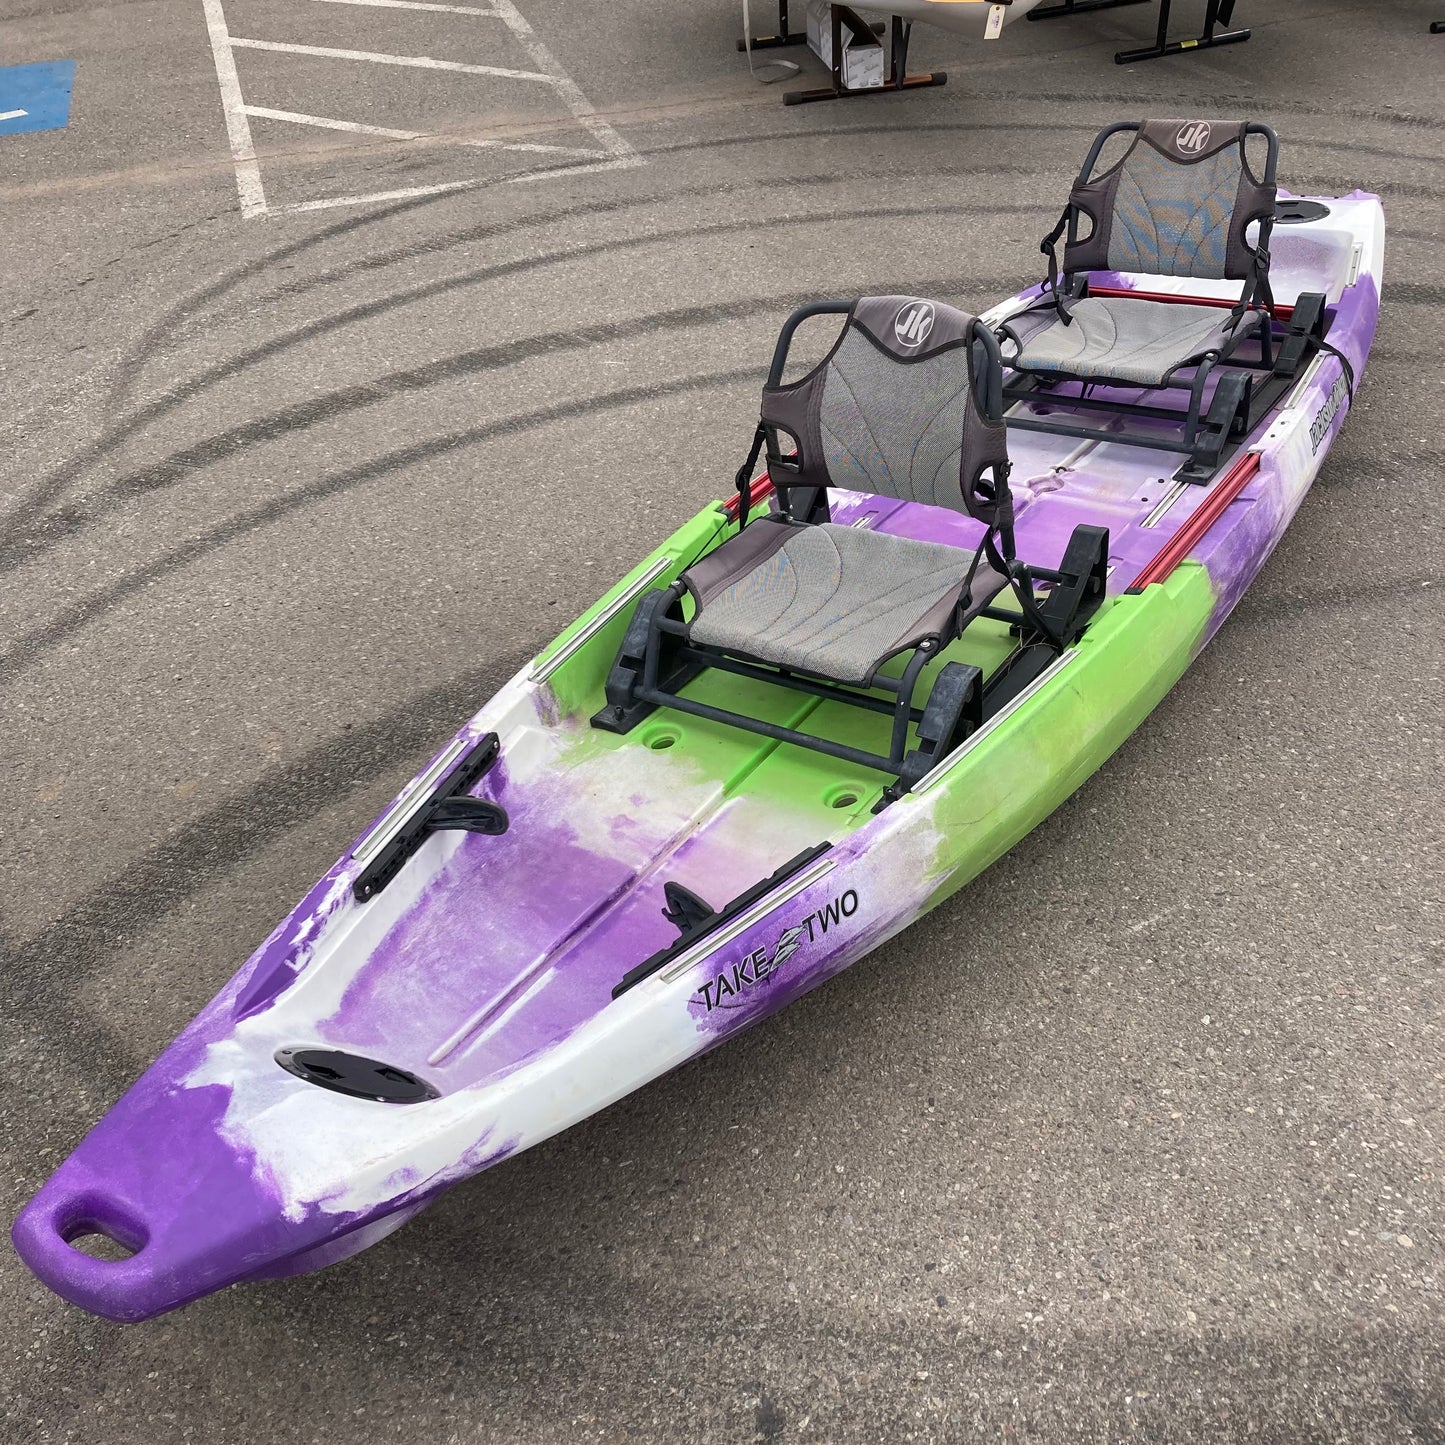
1193,137
913,323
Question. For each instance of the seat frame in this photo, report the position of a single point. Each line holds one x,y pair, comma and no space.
658,657
1246,388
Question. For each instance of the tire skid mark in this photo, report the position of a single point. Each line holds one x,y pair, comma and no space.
232,367
129,372
492,230
55,527
27,649
164,327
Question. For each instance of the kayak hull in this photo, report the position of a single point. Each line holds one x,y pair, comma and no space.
486,968
962,17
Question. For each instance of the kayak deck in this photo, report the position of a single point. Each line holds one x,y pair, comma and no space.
512,942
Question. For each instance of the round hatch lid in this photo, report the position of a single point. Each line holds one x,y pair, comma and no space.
352,1074
1291,211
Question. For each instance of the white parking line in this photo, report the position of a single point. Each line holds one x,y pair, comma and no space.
567,88
238,128
263,112
611,151
16,114
374,57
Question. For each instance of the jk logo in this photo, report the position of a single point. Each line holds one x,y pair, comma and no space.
913,323
1193,137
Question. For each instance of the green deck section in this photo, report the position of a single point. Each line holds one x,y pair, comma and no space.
577,684
1132,653
796,777
1135,649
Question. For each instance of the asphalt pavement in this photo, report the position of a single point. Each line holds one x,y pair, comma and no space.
1141,1137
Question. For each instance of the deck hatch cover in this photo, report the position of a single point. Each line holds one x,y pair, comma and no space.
356,1076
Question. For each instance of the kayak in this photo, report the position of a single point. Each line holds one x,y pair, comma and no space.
976,19
556,910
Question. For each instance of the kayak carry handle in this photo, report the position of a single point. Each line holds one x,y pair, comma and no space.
49,1229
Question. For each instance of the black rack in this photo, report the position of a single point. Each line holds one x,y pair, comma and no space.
1219,12
448,807
694,924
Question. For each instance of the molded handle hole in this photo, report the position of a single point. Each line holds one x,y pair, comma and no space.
101,1230
97,1245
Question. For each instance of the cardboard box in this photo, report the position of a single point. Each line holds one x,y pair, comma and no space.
863,67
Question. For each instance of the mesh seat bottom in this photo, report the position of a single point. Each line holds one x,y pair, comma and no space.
832,600
1122,339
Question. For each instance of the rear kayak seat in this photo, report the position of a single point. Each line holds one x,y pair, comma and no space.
1183,201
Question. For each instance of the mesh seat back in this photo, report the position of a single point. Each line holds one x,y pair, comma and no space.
1178,203
894,409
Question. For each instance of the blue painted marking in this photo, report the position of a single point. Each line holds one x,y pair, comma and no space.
40,93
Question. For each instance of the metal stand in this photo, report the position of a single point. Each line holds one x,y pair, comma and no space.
783,37
897,77
1219,12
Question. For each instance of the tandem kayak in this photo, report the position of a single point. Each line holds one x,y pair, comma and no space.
982,550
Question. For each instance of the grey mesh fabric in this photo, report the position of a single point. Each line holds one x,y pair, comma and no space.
1179,203
893,409
835,600
1122,339
1173,220
906,439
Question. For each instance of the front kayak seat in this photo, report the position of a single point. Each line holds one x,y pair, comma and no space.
836,601
908,404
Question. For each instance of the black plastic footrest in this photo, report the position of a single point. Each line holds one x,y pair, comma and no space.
448,807
954,710
624,708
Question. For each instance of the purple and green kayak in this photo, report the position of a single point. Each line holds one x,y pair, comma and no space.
478,984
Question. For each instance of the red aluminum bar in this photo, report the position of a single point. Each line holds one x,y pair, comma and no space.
1282,313
760,491
1179,546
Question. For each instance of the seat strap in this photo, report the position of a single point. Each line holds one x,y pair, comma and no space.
1257,292
1018,576
744,477
1049,247
1322,345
